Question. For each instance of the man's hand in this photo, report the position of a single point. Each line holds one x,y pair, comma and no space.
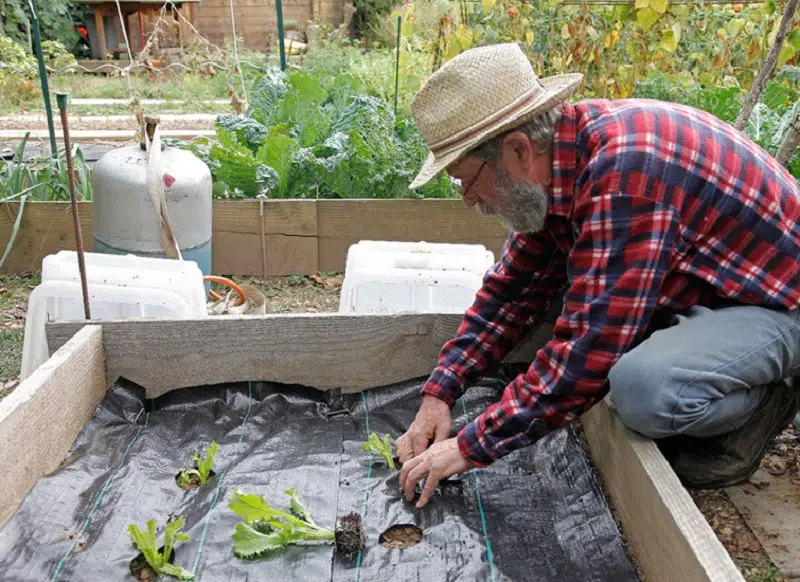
438,462
432,423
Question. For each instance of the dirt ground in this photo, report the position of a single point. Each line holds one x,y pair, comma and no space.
321,294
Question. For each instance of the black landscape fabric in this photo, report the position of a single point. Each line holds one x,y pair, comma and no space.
536,515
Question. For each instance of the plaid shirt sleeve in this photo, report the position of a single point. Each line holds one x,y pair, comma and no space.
514,294
616,268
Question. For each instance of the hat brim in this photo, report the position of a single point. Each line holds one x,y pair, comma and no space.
556,89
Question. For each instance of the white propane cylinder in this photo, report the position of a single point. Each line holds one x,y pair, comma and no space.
123,219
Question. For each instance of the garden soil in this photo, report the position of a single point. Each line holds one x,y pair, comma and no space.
536,515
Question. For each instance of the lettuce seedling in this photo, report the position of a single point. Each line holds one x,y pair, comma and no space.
266,528
381,448
147,544
188,478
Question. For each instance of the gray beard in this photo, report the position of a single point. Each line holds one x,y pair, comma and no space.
521,205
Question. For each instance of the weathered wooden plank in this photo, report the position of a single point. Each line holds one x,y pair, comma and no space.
667,533
46,228
302,236
291,237
290,227
41,418
352,352
345,222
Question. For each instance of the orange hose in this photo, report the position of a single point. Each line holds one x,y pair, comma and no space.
222,280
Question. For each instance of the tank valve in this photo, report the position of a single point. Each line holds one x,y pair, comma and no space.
150,123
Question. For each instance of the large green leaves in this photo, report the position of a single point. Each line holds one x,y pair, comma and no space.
266,528
309,134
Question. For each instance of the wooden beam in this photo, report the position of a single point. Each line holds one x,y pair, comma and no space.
41,418
351,352
302,236
99,12
667,533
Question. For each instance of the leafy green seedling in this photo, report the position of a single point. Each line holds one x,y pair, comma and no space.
266,528
159,560
381,448
189,478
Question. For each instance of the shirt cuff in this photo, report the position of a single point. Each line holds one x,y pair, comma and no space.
444,384
471,449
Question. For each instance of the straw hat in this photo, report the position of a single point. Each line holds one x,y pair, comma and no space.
477,95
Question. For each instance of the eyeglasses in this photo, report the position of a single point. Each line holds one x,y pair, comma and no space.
457,184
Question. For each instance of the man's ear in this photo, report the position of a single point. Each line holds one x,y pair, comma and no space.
518,154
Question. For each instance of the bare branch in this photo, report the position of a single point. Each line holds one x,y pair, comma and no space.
768,66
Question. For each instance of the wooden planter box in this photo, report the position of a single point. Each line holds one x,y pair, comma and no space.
667,534
299,236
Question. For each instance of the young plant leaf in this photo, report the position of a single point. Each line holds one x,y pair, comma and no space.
176,572
297,507
249,542
147,543
204,464
381,448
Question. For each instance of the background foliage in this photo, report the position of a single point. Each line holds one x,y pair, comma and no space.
57,20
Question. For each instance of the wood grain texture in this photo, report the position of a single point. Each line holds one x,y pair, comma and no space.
352,352
290,229
46,228
345,222
41,418
302,236
666,532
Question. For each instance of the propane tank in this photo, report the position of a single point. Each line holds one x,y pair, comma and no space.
123,219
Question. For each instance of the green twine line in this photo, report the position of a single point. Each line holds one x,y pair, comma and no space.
489,555
98,500
366,494
221,479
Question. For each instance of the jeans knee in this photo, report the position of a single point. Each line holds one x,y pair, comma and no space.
639,390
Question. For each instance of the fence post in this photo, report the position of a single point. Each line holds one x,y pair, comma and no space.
279,10
37,42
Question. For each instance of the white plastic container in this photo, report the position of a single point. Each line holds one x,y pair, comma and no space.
419,255
394,277
120,287
183,277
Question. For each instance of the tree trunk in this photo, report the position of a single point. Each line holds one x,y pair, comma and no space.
790,141
768,65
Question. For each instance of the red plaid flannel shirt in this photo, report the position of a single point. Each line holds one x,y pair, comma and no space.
652,206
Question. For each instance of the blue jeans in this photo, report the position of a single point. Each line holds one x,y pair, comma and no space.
705,372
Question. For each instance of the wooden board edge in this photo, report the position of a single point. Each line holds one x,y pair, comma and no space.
668,535
293,348
41,418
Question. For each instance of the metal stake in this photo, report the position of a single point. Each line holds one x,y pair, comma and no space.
63,102
397,66
279,10
37,43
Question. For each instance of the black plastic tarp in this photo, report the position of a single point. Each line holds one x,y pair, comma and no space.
538,514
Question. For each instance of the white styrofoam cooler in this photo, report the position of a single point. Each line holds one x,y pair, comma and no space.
393,277
120,287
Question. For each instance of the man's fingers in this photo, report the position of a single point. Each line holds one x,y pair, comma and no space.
404,449
406,469
414,477
442,432
430,486
420,442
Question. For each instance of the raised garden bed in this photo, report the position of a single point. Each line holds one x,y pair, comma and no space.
300,236
667,535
